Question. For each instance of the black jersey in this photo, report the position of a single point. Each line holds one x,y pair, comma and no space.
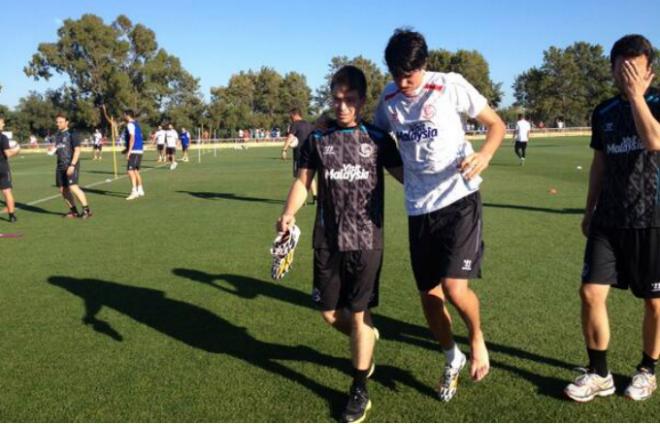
349,163
630,196
4,145
65,144
301,130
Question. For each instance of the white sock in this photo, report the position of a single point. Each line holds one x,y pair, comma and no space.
453,355
140,190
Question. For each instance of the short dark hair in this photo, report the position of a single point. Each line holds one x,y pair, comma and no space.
295,111
405,52
352,78
61,115
521,116
129,112
632,45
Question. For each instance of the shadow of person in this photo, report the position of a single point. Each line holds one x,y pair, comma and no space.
563,211
230,196
390,328
198,328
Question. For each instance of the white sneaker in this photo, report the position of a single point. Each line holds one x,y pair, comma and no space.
134,195
589,385
140,192
173,166
449,382
642,386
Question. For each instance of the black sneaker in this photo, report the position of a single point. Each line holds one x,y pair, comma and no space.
12,218
357,406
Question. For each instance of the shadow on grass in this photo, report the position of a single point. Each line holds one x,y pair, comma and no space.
202,329
564,211
390,328
32,208
106,192
229,196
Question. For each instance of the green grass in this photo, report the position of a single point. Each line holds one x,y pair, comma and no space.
188,325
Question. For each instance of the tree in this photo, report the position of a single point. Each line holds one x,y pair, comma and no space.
470,64
111,67
376,81
569,84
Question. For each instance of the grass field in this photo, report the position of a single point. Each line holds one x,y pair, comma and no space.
163,309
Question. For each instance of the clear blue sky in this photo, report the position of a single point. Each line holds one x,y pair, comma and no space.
215,39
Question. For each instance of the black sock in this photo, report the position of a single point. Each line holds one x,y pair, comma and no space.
12,214
360,378
74,210
598,361
647,363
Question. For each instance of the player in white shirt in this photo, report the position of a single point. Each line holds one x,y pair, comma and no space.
521,137
97,144
171,140
159,138
424,110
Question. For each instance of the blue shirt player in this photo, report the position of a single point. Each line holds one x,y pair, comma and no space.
134,149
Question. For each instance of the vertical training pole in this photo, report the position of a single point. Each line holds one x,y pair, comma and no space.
199,145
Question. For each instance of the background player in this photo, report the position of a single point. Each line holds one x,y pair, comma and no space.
6,151
97,141
184,137
67,171
171,140
298,130
134,150
521,138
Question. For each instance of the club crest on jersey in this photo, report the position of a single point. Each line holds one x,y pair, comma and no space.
428,112
609,127
366,150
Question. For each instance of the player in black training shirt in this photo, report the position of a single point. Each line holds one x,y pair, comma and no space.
5,173
622,219
67,171
348,158
298,133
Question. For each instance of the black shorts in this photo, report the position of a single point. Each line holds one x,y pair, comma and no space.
170,150
134,161
624,258
98,147
447,243
63,180
346,279
5,180
160,147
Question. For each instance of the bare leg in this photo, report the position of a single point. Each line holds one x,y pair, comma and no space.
9,200
80,195
651,331
595,323
437,316
362,342
68,197
467,304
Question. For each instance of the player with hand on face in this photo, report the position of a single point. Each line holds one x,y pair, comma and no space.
622,220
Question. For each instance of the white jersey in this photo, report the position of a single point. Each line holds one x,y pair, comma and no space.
171,138
523,128
160,137
97,138
430,133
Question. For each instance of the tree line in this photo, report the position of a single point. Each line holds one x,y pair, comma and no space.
119,65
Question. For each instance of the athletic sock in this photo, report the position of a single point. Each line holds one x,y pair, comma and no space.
453,355
12,215
74,210
647,363
85,208
360,378
598,362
